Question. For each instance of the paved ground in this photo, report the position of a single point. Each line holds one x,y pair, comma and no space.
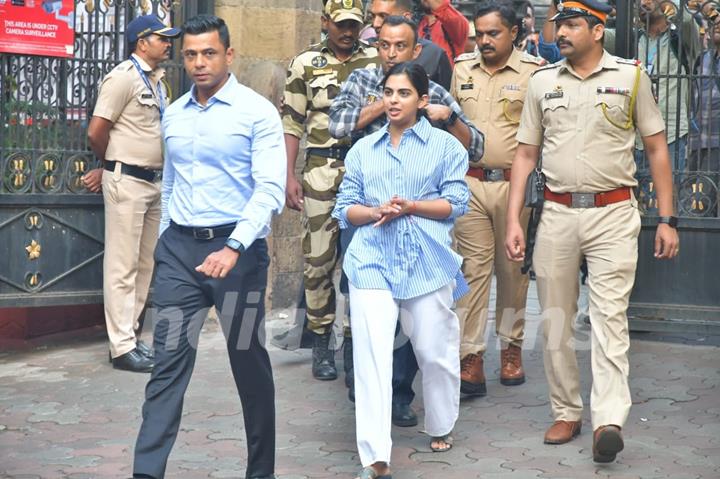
65,413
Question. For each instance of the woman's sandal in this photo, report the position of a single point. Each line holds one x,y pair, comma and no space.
446,439
370,473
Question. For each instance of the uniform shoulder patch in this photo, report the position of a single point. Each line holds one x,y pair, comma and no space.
527,58
549,66
466,56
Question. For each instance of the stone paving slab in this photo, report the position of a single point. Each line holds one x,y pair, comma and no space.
65,413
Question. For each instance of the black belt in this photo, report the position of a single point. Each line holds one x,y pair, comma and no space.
135,171
338,152
221,231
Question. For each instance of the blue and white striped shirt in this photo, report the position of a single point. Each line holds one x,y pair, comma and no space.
411,255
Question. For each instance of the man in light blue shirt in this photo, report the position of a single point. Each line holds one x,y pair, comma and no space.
224,178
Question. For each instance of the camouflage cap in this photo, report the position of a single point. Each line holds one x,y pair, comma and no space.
339,10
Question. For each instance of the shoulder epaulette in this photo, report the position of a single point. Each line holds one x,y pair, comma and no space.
466,56
527,58
628,61
631,61
549,66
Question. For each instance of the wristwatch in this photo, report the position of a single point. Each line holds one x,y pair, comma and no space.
671,221
235,245
451,119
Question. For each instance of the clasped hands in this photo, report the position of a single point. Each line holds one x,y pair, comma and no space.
390,210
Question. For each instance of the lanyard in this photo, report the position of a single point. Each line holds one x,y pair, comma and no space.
159,94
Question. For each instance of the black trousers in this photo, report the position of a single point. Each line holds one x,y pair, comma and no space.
181,300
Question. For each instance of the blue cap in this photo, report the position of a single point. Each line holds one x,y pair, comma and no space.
146,25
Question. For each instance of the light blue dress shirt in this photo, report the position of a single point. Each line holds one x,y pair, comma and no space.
412,255
224,162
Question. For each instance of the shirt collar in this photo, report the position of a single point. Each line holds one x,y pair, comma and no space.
513,61
358,47
226,94
143,64
607,62
421,129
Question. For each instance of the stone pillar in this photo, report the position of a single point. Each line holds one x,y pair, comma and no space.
266,34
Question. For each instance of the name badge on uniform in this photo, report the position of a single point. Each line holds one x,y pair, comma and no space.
511,87
323,71
554,94
467,86
146,96
613,90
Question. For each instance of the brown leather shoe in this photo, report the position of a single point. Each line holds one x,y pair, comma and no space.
607,442
472,377
562,431
511,370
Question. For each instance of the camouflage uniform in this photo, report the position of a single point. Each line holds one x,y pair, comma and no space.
314,79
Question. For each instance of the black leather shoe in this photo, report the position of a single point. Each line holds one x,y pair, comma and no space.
403,415
323,365
348,363
133,361
145,350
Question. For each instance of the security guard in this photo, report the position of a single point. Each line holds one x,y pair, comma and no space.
124,133
490,86
314,78
584,113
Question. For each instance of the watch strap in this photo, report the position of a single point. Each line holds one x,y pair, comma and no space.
671,221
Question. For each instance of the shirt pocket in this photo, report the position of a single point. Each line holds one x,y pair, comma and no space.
468,101
511,105
556,113
147,109
613,111
323,88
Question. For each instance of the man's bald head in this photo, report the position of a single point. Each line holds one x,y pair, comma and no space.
381,9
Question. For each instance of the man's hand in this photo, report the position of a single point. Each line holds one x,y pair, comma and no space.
294,193
667,243
92,180
219,263
438,113
515,242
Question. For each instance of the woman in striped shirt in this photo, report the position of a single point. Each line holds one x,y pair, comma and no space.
403,188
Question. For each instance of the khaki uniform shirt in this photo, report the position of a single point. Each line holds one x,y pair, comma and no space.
313,81
494,102
134,110
583,148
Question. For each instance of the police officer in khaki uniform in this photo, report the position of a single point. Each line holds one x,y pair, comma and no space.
584,113
124,133
490,87
314,79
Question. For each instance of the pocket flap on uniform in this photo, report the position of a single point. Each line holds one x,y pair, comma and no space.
555,102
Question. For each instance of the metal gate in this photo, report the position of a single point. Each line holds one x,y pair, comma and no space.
51,228
679,42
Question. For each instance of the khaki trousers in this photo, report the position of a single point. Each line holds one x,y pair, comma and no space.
607,238
480,240
321,235
132,218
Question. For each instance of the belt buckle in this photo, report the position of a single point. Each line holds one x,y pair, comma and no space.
203,233
157,175
582,200
494,175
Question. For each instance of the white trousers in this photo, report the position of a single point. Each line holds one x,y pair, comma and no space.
434,332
